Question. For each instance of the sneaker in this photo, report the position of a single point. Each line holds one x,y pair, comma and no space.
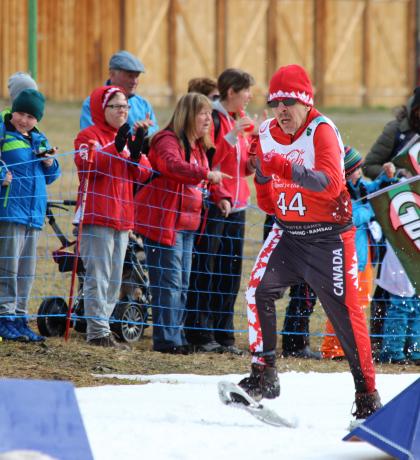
263,382
305,353
8,331
232,349
210,347
108,341
366,405
22,325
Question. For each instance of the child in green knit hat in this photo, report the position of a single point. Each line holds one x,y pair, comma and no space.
28,167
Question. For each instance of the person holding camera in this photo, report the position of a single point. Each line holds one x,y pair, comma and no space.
27,166
116,164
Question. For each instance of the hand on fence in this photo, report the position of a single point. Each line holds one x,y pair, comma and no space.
215,177
135,145
121,137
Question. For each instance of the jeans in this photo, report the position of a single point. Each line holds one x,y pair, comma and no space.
169,273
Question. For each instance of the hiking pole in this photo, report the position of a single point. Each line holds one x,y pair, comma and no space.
84,190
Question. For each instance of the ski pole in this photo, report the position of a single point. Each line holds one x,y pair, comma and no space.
84,191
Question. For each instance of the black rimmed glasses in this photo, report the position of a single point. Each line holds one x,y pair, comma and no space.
287,102
119,106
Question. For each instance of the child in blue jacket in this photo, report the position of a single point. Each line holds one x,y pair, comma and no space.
27,166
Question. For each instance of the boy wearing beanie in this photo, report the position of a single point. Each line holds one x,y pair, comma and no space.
16,84
27,166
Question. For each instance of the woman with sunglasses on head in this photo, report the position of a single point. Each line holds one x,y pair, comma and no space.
117,164
217,262
300,180
168,213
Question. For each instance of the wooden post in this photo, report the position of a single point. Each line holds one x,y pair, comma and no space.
172,49
365,61
320,34
122,24
411,46
272,57
220,41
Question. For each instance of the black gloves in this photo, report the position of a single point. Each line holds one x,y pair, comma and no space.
136,145
123,134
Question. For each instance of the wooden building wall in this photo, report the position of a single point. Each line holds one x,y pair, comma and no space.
358,52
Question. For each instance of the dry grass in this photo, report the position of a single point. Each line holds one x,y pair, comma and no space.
76,361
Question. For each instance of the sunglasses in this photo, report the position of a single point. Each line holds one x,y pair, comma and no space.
288,102
215,97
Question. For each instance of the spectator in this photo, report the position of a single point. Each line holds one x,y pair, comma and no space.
124,71
368,233
206,86
401,341
17,83
109,211
300,179
396,134
218,251
168,214
27,166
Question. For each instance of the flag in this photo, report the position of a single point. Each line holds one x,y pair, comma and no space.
397,209
408,157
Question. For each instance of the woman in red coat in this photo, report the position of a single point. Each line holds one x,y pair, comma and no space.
167,214
109,210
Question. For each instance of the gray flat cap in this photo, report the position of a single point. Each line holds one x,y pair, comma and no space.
123,60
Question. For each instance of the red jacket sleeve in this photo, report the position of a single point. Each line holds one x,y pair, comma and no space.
328,157
167,155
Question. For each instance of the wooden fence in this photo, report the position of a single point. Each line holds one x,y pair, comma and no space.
358,52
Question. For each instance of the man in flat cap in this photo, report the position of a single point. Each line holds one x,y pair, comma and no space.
124,71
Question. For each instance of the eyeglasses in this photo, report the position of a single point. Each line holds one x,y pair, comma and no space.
287,101
119,106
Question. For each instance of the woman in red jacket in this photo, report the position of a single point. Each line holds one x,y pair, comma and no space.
109,211
300,180
167,214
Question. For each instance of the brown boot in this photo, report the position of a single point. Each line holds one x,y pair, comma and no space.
366,404
108,341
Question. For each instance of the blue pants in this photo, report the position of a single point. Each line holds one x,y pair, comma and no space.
169,273
402,329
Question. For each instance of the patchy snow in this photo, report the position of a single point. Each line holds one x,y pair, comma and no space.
180,417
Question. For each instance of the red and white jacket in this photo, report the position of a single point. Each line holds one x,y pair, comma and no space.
314,199
109,200
231,157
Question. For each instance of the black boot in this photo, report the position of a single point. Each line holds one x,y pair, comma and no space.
366,404
263,382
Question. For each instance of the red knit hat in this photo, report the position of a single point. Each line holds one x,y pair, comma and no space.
291,81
